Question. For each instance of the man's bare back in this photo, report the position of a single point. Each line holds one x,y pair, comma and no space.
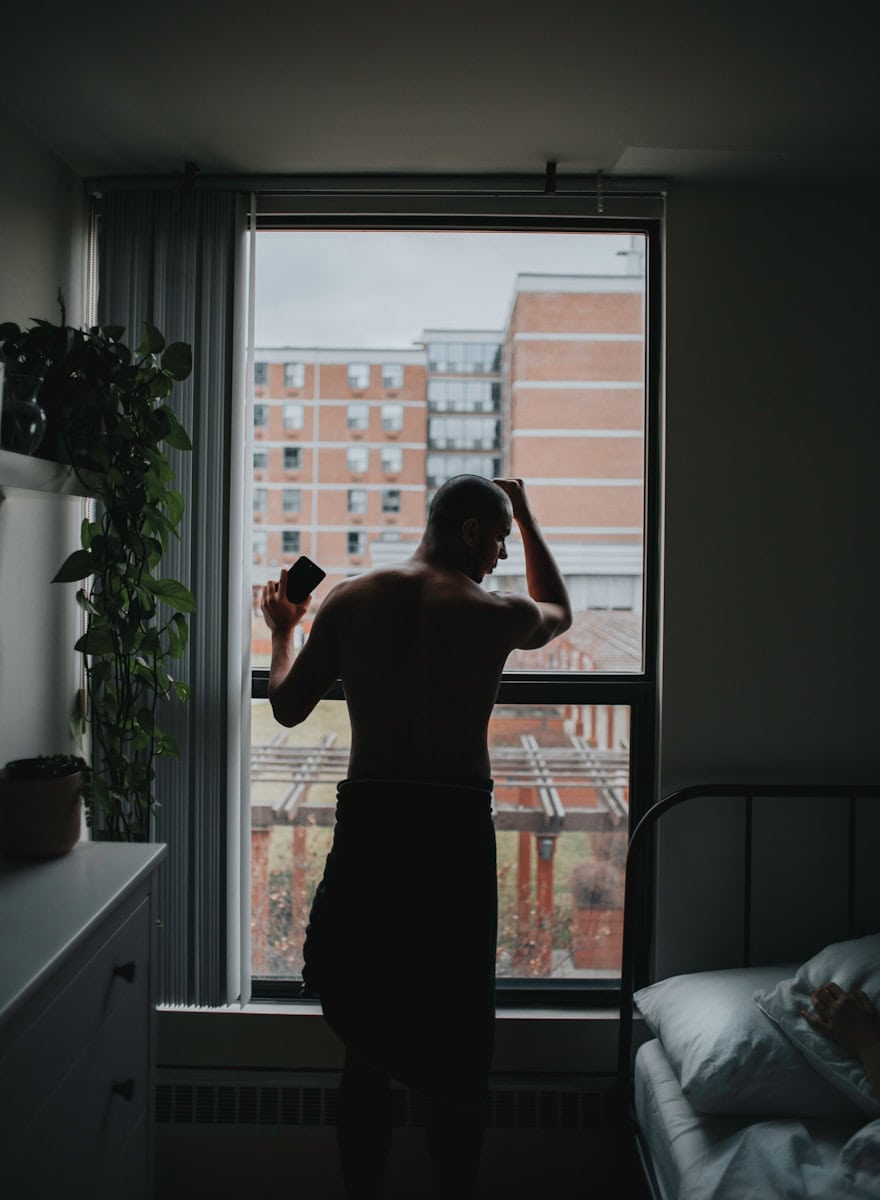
420,648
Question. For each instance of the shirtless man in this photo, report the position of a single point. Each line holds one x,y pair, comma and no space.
420,649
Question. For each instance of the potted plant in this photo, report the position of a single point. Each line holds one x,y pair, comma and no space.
40,806
114,429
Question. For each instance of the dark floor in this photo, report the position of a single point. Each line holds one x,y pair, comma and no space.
192,1162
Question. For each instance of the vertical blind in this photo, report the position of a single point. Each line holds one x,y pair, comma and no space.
169,257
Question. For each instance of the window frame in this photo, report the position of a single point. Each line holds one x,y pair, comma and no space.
491,208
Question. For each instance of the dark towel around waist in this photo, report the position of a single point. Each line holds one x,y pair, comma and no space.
400,945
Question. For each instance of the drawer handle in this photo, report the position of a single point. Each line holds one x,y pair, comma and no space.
126,971
124,1089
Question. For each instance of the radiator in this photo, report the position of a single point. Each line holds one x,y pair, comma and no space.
273,1099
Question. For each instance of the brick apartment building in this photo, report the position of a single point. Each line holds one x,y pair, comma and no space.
350,444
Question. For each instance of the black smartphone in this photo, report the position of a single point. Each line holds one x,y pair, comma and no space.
302,579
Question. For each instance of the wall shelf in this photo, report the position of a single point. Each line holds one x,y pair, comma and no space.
25,473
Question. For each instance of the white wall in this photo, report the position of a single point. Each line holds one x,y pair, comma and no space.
41,248
770,647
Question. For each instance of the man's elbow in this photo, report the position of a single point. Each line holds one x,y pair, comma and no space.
284,712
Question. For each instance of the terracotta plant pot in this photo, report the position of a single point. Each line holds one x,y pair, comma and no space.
39,818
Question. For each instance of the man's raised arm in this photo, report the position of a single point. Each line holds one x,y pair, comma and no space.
543,577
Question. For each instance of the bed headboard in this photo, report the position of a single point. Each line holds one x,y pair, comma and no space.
726,875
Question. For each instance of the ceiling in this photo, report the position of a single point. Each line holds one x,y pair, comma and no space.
694,88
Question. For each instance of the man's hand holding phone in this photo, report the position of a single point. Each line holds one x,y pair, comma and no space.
284,603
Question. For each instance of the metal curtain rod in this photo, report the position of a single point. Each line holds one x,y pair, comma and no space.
548,186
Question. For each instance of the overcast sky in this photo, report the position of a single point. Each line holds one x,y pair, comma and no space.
380,290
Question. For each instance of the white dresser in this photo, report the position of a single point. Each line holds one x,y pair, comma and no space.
77,1026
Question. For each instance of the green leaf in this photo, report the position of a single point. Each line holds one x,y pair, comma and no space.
112,333
174,505
177,435
173,593
96,641
76,567
182,689
153,342
167,746
177,360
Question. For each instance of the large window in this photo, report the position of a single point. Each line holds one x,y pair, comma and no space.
532,355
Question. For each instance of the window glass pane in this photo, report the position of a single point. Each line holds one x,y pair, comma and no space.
357,500
392,416
261,374
359,376
392,375
358,416
357,458
293,416
261,460
567,414
560,892
392,459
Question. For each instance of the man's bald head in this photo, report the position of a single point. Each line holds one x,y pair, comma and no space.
465,496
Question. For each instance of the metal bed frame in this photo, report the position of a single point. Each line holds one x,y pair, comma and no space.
639,924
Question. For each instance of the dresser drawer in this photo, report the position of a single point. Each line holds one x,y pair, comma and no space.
99,1111
112,984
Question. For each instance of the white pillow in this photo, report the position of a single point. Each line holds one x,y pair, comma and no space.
728,1058
850,964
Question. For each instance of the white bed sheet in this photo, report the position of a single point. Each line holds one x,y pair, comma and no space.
733,1158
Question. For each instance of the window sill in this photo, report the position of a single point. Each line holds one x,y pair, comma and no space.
294,1036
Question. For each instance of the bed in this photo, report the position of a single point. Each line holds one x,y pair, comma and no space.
764,892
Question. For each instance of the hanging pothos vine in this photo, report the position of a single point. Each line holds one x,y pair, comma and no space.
113,427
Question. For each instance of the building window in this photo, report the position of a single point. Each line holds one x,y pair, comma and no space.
480,358
571,717
357,459
259,545
291,500
441,467
261,374
358,416
392,459
462,433
292,458
261,459
392,417
289,542
358,376
261,415
261,499
294,375
357,501
294,416
392,375
463,395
